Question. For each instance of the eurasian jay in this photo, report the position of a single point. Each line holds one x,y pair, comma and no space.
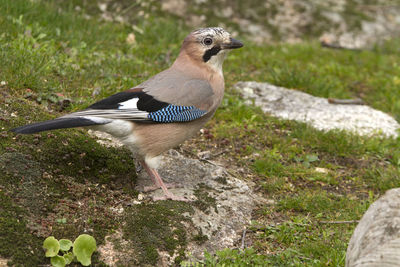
163,111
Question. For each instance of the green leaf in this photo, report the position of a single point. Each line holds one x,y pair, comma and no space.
65,244
41,36
298,159
63,220
57,261
69,257
84,246
312,158
51,246
52,99
306,164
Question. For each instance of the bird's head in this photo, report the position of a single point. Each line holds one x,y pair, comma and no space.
209,46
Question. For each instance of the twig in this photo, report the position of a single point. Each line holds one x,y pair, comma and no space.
124,11
336,46
210,162
339,222
219,153
242,247
356,101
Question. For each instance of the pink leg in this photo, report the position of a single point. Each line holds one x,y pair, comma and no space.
159,183
149,172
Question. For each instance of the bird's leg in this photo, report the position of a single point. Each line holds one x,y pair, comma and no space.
160,184
150,173
156,185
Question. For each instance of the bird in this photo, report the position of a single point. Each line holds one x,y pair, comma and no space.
163,111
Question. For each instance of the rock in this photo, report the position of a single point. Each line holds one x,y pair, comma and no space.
131,38
376,239
223,204
204,155
102,6
321,170
3,262
116,257
226,202
176,7
383,24
361,24
295,105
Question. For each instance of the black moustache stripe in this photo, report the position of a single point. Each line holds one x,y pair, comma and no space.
211,52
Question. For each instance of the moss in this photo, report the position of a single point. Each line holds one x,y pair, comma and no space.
200,238
16,241
204,202
71,152
157,226
63,183
221,180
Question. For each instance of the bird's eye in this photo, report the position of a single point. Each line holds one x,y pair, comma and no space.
208,41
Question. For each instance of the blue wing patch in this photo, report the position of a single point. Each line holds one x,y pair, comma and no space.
172,113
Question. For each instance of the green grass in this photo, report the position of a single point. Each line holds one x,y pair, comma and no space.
49,47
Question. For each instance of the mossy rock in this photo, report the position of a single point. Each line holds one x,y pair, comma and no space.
63,183
156,227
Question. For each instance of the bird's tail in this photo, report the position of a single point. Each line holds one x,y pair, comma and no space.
59,123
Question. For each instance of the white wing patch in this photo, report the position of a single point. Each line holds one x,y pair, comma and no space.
98,120
129,104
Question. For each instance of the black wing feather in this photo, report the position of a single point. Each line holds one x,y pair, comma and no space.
60,123
146,102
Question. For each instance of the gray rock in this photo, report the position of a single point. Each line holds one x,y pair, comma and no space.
223,204
228,201
376,239
361,24
295,105
383,24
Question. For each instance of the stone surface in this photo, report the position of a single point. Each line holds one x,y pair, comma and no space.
295,105
222,204
228,201
3,262
359,24
376,239
383,24
356,24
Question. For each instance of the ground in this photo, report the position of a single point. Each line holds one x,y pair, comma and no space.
59,57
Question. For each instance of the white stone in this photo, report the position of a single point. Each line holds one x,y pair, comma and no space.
295,105
376,239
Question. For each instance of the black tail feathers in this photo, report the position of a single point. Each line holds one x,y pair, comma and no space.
59,123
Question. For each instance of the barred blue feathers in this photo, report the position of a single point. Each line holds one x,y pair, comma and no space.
172,113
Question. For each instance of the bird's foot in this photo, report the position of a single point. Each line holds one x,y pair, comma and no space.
158,182
154,187
172,197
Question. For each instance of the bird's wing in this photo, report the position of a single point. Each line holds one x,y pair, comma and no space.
140,104
176,88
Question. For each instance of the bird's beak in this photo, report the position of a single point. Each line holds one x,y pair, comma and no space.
233,43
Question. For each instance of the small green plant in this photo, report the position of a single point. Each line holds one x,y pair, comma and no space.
230,257
307,159
59,250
